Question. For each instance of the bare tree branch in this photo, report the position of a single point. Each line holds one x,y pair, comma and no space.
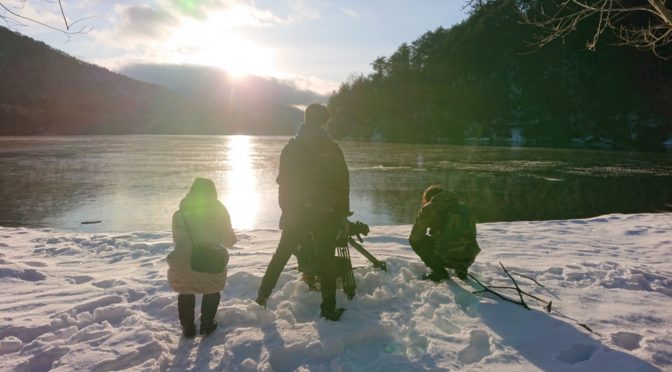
516,289
548,305
643,25
60,5
530,278
522,300
503,297
13,16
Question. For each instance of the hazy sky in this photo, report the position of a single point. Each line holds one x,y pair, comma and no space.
316,43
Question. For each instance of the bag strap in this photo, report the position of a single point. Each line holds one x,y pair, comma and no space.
191,239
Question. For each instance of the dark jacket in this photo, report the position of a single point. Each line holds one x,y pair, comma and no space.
313,178
451,227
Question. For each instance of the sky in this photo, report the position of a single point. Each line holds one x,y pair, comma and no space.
317,44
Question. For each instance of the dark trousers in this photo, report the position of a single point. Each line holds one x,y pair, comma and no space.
425,249
187,302
324,231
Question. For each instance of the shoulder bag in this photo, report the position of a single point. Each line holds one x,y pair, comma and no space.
206,257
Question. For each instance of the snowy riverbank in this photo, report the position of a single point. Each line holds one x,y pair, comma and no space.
74,301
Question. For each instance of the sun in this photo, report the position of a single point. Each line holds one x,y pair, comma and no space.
216,42
239,57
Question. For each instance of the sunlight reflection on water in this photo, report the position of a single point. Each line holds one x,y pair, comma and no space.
242,195
135,183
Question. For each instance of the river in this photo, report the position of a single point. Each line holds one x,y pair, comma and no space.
135,183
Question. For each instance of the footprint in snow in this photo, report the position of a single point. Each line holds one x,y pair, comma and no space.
43,360
36,264
576,353
479,347
10,344
29,275
80,279
445,325
105,284
626,340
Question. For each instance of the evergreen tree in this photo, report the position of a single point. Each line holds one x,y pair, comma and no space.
482,79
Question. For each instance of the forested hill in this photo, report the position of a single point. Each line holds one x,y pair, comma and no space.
482,81
45,91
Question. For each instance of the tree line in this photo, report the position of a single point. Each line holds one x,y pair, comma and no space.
485,79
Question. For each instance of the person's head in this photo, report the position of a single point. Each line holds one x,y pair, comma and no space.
430,192
203,187
316,114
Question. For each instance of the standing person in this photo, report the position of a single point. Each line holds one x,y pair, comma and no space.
451,242
201,219
314,189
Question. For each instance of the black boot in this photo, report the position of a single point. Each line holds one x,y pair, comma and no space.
437,275
262,298
332,314
425,249
462,273
209,307
185,311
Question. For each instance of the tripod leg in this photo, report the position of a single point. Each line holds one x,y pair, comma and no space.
376,263
349,284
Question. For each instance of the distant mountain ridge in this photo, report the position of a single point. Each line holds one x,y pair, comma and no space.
46,91
211,83
255,100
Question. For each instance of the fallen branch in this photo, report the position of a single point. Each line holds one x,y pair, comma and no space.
521,293
505,298
528,277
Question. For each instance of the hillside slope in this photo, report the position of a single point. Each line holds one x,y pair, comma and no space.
46,91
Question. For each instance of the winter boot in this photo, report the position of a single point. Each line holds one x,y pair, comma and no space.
462,274
209,307
262,298
208,328
332,314
436,275
185,311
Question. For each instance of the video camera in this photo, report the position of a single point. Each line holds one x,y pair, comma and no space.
358,228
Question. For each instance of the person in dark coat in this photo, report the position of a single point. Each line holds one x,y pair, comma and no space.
201,218
313,194
451,242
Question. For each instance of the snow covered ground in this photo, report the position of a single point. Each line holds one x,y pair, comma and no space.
75,301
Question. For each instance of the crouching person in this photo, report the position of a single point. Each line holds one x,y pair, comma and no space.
201,232
451,242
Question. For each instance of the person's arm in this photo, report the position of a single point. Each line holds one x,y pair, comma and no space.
343,195
422,222
289,185
229,235
418,231
471,234
180,236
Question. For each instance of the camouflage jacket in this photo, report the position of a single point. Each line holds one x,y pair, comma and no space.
451,227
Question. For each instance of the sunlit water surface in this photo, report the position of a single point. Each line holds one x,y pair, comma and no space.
134,183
